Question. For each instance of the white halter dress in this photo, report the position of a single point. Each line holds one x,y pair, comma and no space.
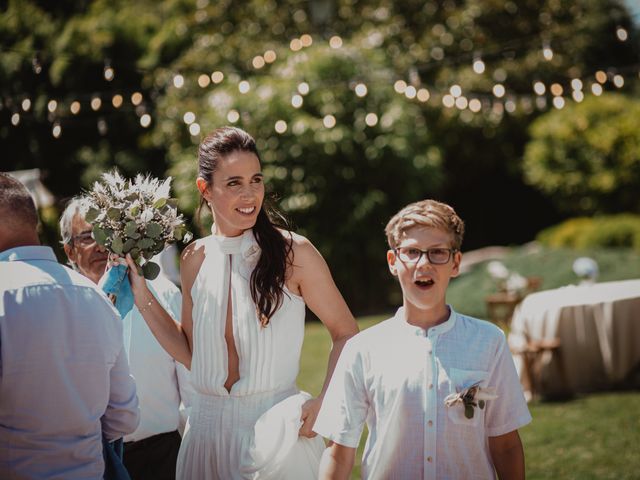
227,435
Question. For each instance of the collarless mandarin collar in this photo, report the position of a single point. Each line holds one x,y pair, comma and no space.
437,330
31,252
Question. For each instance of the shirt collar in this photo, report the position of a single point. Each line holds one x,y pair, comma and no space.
437,330
32,252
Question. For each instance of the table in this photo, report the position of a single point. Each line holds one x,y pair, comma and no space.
597,330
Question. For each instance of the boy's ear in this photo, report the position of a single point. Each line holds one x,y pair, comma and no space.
457,259
391,261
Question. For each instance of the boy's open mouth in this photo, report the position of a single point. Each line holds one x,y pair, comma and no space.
425,282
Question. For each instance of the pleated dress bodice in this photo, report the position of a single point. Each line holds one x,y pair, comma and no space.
268,356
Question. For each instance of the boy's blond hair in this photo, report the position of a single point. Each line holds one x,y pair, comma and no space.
427,213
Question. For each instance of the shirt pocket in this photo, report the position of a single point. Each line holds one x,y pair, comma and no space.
459,380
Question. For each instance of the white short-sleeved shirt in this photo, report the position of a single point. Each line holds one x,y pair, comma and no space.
395,377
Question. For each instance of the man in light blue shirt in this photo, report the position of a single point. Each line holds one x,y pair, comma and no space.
64,376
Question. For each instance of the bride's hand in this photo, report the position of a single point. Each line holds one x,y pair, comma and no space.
138,283
310,411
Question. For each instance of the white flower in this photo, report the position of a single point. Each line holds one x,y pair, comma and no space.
146,216
516,283
497,270
163,190
585,267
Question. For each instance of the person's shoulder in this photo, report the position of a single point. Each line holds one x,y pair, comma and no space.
478,328
374,335
304,252
193,254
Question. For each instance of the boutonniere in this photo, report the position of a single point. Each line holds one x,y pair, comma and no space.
471,397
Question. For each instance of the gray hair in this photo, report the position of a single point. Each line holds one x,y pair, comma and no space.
76,206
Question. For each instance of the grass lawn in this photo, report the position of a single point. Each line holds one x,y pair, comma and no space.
591,437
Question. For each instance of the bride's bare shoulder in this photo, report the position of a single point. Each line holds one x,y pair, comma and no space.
302,249
191,259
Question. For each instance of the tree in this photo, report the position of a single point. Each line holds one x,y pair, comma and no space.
587,156
449,99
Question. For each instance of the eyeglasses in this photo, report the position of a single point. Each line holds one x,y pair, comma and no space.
83,239
436,256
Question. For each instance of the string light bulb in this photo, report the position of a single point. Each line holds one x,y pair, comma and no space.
296,101
281,126
539,88
204,80
335,42
329,121
371,119
244,86
178,81
478,66
217,77
303,88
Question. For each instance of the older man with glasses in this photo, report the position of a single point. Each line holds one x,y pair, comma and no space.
163,384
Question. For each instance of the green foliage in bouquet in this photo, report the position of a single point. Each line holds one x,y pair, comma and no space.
136,217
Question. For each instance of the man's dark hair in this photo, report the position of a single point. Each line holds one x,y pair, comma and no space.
16,204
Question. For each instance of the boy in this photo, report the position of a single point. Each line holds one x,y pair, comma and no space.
438,390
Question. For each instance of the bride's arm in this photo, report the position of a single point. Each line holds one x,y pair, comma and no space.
175,337
312,279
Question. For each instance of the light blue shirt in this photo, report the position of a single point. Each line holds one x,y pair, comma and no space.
64,375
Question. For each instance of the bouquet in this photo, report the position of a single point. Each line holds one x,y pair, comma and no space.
136,217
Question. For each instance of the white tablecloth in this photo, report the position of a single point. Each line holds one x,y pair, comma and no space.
599,329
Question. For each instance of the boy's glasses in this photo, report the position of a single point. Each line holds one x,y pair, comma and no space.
83,239
436,256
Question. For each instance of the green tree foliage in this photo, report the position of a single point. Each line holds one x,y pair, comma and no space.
339,182
587,156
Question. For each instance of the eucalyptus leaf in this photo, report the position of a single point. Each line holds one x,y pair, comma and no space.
154,229
178,233
99,235
116,245
134,210
151,270
92,215
114,213
468,411
130,229
128,245
481,404
145,243
135,253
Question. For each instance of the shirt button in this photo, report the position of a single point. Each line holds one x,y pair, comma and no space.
430,423
430,386
429,459
429,351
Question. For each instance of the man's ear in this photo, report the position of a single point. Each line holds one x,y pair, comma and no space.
457,260
391,262
70,251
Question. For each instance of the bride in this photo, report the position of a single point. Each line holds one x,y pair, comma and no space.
245,288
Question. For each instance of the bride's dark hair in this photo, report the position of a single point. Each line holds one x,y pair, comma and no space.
268,277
